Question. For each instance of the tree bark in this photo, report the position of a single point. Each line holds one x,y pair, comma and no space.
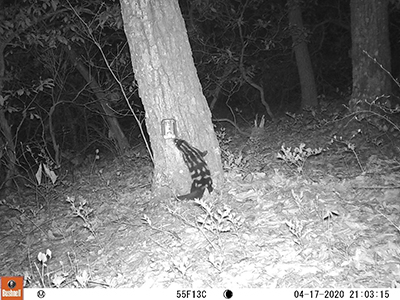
299,36
116,132
170,89
370,47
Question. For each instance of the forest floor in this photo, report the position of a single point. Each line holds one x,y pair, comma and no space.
323,214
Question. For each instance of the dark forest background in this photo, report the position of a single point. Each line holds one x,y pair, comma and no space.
58,95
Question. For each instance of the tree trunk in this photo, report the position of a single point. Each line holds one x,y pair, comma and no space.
9,146
219,83
370,47
304,66
170,89
116,132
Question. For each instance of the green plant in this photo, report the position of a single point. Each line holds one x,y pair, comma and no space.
45,162
82,211
42,258
96,158
216,219
296,228
298,156
350,146
234,162
231,161
223,140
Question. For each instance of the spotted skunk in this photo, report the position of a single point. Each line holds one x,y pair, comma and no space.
194,160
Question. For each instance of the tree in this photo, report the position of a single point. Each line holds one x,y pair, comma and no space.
39,28
169,88
116,132
229,40
370,52
304,66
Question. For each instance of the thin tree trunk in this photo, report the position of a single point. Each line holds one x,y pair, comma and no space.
116,132
11,158
219,83
304,66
